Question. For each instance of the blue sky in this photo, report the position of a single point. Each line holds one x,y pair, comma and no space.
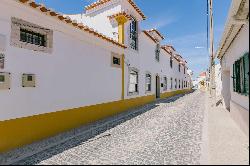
182,22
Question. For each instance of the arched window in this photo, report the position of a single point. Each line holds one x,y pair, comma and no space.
134,34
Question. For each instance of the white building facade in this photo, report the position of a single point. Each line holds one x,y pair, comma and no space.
218,80
58,72
233,53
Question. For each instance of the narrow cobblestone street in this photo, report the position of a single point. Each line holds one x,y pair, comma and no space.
177,130
166,132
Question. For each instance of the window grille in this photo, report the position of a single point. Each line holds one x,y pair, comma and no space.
134,34
32,37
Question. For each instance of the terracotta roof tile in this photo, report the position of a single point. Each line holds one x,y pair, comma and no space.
122,13
147,33
156,31
51,13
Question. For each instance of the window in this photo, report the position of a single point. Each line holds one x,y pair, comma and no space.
157,52
1,61
27,35
179,67
133,82
179,84
171,83
171,62
2,78
4,81
28,80
148,83
241,75
165,83
32,37
184,70
175,83
134,34
115,60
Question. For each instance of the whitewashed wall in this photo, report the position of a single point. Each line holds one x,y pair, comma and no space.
76,74
218,80
239,47
98,20
144,60
238,103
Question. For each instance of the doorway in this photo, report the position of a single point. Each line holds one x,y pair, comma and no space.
157,87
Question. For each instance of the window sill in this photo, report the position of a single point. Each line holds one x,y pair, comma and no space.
133,93
242,94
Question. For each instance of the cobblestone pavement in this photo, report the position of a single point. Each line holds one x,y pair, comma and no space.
166,132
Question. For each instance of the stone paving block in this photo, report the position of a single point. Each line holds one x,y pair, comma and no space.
168,131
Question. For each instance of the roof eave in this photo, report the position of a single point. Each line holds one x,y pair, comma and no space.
231,26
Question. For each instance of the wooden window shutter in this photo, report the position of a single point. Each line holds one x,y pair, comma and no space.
238,79
234,77
246,73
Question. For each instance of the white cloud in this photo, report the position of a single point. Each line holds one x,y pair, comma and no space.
158,23
199,47
160,20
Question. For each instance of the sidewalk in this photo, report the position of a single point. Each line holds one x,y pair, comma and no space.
224,142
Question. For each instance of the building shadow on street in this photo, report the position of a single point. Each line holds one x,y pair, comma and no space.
45,149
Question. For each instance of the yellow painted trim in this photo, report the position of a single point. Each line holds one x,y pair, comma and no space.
170,94
123,77
121,20
121,33
23,131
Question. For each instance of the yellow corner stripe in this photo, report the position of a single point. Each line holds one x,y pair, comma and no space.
123,76
19,132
